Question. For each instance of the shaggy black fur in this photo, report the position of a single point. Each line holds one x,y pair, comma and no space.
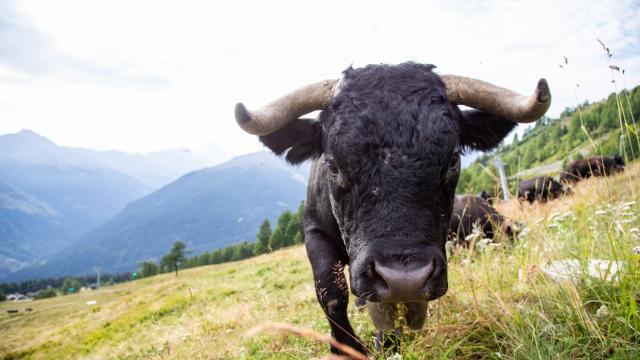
388,149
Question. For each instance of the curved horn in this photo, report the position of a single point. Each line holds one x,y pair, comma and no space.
286,109
497,100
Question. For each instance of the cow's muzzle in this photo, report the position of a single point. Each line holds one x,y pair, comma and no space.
410,280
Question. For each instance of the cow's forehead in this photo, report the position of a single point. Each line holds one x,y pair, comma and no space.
435,132
399,109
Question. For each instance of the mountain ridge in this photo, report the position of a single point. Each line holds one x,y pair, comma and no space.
207,208
50,194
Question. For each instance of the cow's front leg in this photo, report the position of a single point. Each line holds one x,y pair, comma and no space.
327,263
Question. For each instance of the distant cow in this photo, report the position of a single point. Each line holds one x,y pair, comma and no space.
471,210
487,195
593,166
541,189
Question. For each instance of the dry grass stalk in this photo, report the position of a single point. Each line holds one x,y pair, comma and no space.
311,334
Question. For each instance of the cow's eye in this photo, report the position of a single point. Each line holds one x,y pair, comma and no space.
336,176
331,165
455,160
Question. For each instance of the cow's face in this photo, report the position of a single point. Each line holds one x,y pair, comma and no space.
391,178
391,144
619,163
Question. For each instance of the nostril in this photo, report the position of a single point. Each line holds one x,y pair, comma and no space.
430,269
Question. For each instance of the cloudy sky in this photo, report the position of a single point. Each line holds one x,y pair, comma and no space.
149,75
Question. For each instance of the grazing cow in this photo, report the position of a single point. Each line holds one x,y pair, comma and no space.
386,149
541,189
487,195
593,166
470,211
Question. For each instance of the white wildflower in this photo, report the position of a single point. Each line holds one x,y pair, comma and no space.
482,244
549,328
603,311
636,250
395,356
476,233
449,246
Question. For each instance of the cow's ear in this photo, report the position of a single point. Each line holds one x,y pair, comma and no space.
483,131
300,139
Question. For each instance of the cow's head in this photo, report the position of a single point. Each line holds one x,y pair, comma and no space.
390,140
487,195
619,161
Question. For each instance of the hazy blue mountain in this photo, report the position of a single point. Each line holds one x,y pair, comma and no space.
50,195
28,227
157,168
207,209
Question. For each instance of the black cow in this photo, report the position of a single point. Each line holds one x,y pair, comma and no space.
541,189
470,211
593,166
487,195
386,149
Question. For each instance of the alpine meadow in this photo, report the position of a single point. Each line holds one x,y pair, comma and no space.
499,305
384,180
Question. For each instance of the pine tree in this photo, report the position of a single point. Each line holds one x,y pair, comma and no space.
294,227
261,245
148,268
277,240
175,257
279,237
241,251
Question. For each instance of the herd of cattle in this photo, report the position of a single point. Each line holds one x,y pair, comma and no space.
477,211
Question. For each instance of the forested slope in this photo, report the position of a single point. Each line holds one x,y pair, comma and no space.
588,129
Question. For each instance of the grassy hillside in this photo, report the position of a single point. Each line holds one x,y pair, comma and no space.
499,304
589,129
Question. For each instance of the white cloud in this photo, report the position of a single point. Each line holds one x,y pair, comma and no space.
144,75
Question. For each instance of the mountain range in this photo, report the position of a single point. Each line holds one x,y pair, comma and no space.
50,195
206,209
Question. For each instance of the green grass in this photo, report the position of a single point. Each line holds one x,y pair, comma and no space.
499,305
